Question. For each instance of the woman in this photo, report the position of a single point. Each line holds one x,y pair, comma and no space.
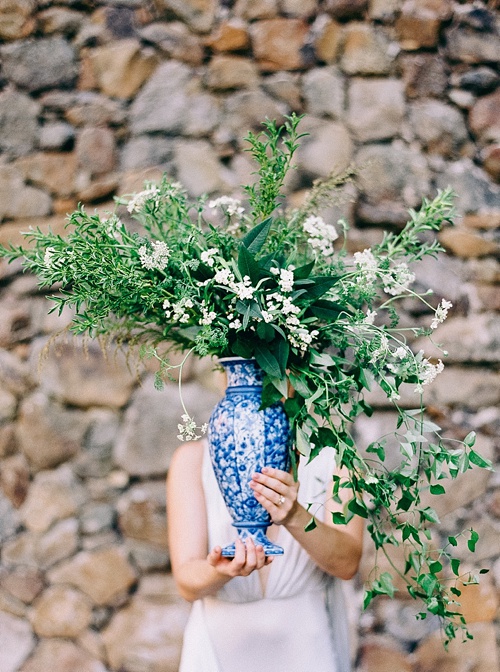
248,614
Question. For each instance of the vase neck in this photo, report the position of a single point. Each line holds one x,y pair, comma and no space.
242,372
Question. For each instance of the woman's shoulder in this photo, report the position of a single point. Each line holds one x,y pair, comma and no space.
188,455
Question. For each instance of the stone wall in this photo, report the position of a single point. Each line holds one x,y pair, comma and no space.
95,96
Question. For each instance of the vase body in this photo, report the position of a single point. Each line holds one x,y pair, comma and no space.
242,440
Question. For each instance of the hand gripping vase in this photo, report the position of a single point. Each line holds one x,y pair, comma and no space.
242,440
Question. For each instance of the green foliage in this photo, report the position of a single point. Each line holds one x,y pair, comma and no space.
270,285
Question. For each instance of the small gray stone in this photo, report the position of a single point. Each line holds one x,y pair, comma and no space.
16,641
393,173
440,127
198,168
203,115
147,150
18,122
96,517
323,90
376,108
328,148
162,103
56,135
40,64
59,543
198,14
471,46
245,110
475,192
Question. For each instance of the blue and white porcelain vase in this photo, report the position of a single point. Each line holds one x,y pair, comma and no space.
242,440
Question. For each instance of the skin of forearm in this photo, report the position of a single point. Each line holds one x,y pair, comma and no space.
197,578
343,561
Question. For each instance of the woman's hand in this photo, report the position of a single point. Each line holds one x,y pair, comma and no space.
247,558
277,491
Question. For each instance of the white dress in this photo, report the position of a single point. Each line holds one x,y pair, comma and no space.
298,625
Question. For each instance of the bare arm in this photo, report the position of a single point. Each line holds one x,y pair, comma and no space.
336,549
196,573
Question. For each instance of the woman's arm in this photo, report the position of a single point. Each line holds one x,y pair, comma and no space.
336,549
195,573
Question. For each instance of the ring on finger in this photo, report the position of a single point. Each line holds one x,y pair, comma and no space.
280,501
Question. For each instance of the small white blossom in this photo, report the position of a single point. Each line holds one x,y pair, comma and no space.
232,206
401,352
289,308
235,324
286,280
139,200
157,259
187,430
224,277
370,317
207,256
48,256
366,264
381,351
321,234
441,313
428,373
398,280
208,316
266,316
244,290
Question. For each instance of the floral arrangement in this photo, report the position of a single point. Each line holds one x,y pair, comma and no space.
277,285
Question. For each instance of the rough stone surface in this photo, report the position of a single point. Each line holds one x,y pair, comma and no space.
66,655
121,68
471,46
324,92
375,108
52,171
475,192
161,104
198,14
175,40
18,122
15,479
197,167
24,583
148,437
47,433
40,64
277,43
365,52
231,72
16,641
484,118
61,612
327,148
424,75
142,514
103,574
9,519
440,127
16,19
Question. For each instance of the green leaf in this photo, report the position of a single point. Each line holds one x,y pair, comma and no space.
311,525
267,361
453,541
303,443
281,350
303,272
478,460
265,332
367,598
299,385
326,310
256,237
470,439
280,384
338,518
320,286
248,266
455,566
474,538
270,393
357,508
437,489
429,514
435,567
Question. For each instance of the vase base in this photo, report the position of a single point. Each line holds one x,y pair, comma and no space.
259,538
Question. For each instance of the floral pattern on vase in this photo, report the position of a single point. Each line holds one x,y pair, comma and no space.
242,440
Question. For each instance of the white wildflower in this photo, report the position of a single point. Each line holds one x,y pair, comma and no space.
235,324
401,352
286,280
428,373
179,310
173,189
224,277
208,315
244,289
367,264
232,206
49,256
441,313
187,430
321,234
370,317
207,256
289,308
158,258
139,200
266,316
398,280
